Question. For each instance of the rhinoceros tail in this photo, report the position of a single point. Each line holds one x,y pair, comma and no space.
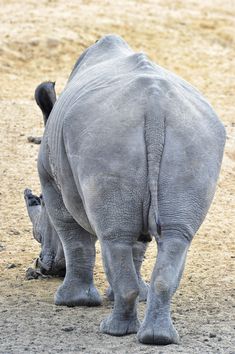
154,140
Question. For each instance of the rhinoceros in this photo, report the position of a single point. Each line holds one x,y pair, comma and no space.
129,149
51,261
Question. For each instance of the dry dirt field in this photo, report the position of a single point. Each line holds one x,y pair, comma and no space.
40,40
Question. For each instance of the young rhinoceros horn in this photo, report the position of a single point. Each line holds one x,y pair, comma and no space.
45,97
33,204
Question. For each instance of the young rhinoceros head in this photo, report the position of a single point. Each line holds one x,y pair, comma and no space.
51,260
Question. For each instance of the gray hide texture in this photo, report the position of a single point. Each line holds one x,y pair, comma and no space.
129,149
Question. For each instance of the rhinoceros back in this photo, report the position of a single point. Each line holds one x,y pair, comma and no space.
113,118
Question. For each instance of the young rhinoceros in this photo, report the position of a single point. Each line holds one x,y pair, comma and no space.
129,149
51,260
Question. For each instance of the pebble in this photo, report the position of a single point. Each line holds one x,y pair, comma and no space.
67,329
14,232
10,266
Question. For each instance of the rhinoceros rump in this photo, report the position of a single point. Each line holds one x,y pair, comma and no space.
129,149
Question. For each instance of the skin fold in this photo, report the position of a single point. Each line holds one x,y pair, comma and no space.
129,150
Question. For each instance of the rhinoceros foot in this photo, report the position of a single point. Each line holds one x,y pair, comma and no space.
71,294
116,326
162,332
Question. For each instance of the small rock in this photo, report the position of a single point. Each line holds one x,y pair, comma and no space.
212,335
67,329
2,248
34,139
14,232
58,310
10,266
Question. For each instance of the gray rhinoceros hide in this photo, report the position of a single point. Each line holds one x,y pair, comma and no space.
129,150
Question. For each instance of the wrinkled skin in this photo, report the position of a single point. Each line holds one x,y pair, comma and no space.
129,149
51,260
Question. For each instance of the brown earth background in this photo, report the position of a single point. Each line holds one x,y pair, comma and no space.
41,40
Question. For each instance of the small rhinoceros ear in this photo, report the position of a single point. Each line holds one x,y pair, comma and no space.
45,96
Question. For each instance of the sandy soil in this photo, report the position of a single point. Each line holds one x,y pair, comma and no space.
41,40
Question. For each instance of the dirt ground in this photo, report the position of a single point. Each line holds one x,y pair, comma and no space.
40,41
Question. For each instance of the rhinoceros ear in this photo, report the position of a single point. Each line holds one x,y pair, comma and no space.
45,97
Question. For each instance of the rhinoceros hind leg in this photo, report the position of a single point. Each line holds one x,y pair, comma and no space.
123,319
78,288
79,248
71,294
157,327
138,253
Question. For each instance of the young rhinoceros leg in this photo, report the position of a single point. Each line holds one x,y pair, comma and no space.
138,253
79,247
51,260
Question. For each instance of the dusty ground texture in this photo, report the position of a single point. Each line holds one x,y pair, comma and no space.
41,40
